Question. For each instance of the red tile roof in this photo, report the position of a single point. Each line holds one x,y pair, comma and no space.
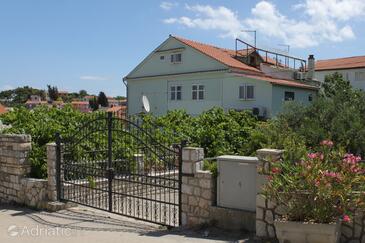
36,102
341,63
2,109
116,108
220,54
283,82
80,102
226,56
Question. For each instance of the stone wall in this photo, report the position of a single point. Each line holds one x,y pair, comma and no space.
267,211
15,186
198,197
14,166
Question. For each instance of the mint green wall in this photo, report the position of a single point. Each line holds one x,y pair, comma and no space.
263,92
301,96
192,60
221,88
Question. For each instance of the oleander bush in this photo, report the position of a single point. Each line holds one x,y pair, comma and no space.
321,187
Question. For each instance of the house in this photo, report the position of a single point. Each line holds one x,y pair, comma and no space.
351,68
119,111
82,106
185,74
34,100
3,109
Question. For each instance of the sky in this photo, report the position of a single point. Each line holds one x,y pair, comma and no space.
93,44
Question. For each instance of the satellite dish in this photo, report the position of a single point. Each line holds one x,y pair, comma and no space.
146,103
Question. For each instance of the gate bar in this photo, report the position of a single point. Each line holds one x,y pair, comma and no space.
110,169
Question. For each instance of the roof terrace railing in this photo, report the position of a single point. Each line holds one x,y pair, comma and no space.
272,57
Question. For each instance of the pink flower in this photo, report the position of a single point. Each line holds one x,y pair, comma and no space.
333,175
275,170
327,143
315,155
312,155
346,218
351,159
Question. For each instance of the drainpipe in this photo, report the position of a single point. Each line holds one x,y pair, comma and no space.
126,89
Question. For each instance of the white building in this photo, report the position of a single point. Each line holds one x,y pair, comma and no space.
351,68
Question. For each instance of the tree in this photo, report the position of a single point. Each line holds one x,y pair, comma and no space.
83,93
19,95
52,92
337,114
102,99
334,85
94,104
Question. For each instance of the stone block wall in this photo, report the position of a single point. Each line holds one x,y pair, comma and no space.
198,197
15,186
35,192
267,211
14,166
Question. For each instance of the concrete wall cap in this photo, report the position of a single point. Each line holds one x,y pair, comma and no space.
238,159
269,151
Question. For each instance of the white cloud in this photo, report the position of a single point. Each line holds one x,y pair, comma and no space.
93,78
211,18
315,21
168,5
6,87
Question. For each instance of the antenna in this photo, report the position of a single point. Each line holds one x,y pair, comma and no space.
146,104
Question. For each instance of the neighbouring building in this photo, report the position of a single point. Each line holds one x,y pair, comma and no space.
351,68
185,74
82,106
119,111
35,100
3,109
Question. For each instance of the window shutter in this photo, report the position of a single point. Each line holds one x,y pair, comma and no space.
242,92
250,92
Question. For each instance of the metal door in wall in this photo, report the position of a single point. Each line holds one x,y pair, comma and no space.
121,166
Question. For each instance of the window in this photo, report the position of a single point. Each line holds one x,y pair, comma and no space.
289,95
360,76
250,92
162,58
246,92
310,97
198,92
175,58
175,92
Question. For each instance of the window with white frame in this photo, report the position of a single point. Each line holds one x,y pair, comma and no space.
176,58
246,92
359,76
198,92
175,92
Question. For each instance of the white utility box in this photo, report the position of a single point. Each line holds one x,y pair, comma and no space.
236,183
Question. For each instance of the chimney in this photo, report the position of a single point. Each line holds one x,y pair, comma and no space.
311,67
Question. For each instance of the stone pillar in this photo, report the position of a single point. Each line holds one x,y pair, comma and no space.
14,166
197,188
51,171
265,210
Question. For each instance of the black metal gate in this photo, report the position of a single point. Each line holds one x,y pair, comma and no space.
120,166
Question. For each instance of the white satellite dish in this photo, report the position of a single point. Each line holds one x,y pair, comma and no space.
146,103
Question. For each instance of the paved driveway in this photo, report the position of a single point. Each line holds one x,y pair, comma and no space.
85,225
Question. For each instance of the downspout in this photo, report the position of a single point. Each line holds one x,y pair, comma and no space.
126,89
